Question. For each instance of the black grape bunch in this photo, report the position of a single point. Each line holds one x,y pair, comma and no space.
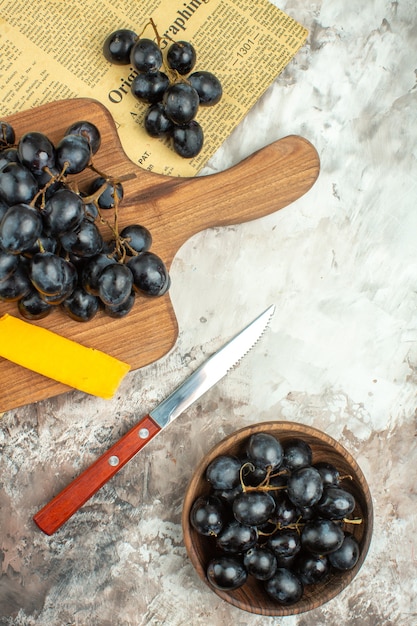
168,86
52,252
275,515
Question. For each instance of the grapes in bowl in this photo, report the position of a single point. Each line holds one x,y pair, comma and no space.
277,518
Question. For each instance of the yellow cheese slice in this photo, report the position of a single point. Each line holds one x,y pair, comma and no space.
61,359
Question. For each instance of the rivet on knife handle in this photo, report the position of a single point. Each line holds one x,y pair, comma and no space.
70,499
54,514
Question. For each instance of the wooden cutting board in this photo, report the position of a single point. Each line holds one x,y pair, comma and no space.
173,209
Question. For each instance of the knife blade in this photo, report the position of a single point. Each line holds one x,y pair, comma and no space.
54,514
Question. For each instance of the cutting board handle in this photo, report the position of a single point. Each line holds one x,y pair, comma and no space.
261,184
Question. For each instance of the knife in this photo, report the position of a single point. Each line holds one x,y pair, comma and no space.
54,514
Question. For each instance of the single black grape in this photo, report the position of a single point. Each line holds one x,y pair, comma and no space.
85,241
145,56
223,472
150,88
121,310
115,284
297,453
181,103
312,568
265,451
8,155
7,134
156,121
64,211
208,87
16,286
50,274
137,237
285,511
322,536
226,573
73,153
207,515
150,276
20,228
328,472
118,45
91,271
237,538
253,508
335,503
36,152
60,297
17,184
285,543
284,587
69,283
347,555
304,486
181,57
188,139
260,562
89,131
32,307
8,264
80,305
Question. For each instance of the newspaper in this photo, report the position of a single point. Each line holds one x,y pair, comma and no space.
52,50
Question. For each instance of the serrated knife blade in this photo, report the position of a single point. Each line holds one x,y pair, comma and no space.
54,514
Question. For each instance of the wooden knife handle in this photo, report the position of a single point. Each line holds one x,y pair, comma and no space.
54,514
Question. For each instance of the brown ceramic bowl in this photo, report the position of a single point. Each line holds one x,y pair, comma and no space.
251,596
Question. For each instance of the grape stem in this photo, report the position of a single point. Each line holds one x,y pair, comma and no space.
346,477
93,198
264,485
173,75
42,192
121,244
112,179
279,526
